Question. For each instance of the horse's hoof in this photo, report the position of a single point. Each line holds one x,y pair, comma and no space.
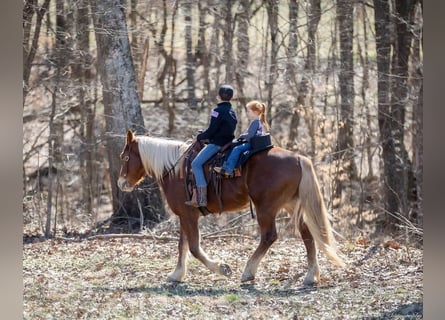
173,279
247,277
309,282
225,270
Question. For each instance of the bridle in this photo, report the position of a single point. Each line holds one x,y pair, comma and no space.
126,159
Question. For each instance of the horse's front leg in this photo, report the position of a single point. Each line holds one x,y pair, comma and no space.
189,225
268,237
179,273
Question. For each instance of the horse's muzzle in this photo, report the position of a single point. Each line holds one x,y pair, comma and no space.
124,185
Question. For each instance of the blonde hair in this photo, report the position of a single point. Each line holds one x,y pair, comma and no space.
261,109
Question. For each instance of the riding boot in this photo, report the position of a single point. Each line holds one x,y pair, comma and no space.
193,201
202,196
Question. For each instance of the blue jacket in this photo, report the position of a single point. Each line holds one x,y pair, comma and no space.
222,125
255,129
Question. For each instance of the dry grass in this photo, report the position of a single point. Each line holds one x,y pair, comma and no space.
125,279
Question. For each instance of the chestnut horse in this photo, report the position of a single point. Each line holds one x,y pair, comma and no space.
272,179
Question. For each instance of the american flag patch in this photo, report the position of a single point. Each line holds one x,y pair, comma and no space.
215,114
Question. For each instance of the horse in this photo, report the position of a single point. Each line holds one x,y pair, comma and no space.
272,179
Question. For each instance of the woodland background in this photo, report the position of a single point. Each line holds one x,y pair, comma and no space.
343,82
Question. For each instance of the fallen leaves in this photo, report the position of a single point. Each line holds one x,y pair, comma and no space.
391,244
362,241
125,278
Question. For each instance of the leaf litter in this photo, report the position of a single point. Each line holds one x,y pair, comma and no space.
126,279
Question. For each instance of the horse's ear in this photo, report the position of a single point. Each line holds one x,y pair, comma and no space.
130,136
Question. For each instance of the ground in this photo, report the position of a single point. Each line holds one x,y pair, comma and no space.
125,278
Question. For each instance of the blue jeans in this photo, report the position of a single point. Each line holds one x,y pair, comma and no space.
234,156
197,164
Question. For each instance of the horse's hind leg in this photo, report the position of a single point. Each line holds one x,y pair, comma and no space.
189,225
178,274
313,273
268,237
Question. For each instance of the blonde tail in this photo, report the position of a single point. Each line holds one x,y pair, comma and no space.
314,212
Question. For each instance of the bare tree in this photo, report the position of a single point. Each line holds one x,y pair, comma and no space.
314,16
271,78
167,75
29,49
418,156
392,94
383,46
363,53
402,168
243,43
139,46
202,51
83,74
345,146
120,99
190,65
228,36
291,71
417,100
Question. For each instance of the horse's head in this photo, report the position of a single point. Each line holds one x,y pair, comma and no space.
132,171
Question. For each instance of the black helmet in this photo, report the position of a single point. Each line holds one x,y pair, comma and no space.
225,92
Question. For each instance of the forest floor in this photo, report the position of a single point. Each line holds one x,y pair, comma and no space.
125,278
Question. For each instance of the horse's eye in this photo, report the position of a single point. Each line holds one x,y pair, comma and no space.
126,158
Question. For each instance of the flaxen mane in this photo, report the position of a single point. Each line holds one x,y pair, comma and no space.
160,155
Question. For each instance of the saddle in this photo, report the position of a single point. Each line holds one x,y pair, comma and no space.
258,143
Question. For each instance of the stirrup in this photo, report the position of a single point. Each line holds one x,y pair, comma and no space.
222,171
193,202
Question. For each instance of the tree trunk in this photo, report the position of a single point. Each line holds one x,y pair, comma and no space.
417,101
243,43
383,46
314,17
292,71
228,41
30,49
392,93
418,147
404,15
271,77
202,53
82,72
167,75
139,48
190,64
345,144
363,54
215,59
120,98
